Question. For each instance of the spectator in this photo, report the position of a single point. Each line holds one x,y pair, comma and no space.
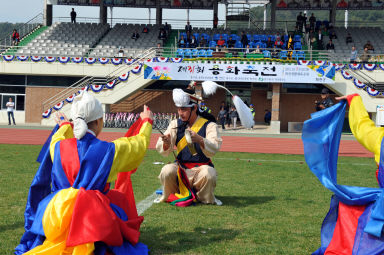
244,39
342,4
217,48
299,22
145,29
275,52
269,43
257,50
282,4
224,49
369,46
193,42
231,42
365,57
324,32
325,101
73,16
348,39
215,21
234,116
247,50
10,108
222,115
203,42
353,55
15,37
159,50
162,35
120,53
167,28
188,27
279,43
319,39
267,117
221,42
304,20
332,34
182,42
330,46
312,21
135,35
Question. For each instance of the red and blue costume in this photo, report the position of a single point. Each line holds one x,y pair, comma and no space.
71,208
355,221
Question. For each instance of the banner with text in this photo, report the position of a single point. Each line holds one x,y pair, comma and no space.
240,72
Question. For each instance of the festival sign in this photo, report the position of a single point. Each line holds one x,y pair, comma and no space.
380,115
327,4
240,72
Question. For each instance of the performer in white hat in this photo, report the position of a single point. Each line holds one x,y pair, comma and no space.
192,177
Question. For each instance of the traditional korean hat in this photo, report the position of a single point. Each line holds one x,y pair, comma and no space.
186,97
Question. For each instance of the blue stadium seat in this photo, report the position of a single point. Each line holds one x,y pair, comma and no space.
256,38
195,53
202,53
283,54
212,44
300,55
216,37
249,37
273,38
209,53
318,24
180,53
238,44
297,38
286,38
197,36
225,37
264,38
235,37
326,23
187,53
267,54
297,46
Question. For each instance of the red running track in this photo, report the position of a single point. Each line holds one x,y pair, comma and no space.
230,143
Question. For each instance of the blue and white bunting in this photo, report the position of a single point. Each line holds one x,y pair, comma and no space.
111,84
36,58
124,76
303,62
77,60
162,59
22,58
63,60
358,83
116,61
339,67
176,60
355,66
103,60
369,67
49,59
149,60
90,60
381,66
136,69
83,89
8,57
58,106
372,92
47,113
97,88
70,98
319,62
346,75
129,61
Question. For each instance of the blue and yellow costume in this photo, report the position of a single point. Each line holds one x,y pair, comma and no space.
71,209
354,223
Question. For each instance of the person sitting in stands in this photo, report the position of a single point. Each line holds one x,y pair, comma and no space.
162,35
224,49
193,42
257,50
279,43
269,43
120,53
275,52
365,57
348,39
353,55
145,29
369,46
342,4
231,42
330,46
202,42
247,50
332,34
221,42
135,35
217,48
282,4
182,42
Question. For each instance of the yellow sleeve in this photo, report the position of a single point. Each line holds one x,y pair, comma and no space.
363,128
64,132
130,151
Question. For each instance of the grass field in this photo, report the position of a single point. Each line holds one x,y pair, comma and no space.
272,204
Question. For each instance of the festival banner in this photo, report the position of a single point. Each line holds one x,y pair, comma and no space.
240,72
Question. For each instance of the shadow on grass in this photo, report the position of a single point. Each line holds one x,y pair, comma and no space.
11,226
160,241
242,201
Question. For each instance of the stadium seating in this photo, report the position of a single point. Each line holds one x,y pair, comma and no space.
66,39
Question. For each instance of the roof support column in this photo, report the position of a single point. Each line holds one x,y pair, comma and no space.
332,13
159,13
103,13
275,118
48,11
273,14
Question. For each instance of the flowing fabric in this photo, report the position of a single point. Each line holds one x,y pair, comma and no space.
321,139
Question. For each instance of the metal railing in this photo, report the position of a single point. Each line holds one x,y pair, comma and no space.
23,29
90,80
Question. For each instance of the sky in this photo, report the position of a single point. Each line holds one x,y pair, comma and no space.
20,11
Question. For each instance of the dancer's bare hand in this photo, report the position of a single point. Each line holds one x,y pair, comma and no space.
166,141
60,118
195,137
341,98
146,113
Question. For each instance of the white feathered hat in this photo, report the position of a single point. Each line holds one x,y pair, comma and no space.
184,99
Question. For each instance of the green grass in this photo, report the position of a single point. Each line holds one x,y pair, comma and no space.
272,204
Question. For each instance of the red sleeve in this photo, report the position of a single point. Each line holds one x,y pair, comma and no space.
349,98
66,123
